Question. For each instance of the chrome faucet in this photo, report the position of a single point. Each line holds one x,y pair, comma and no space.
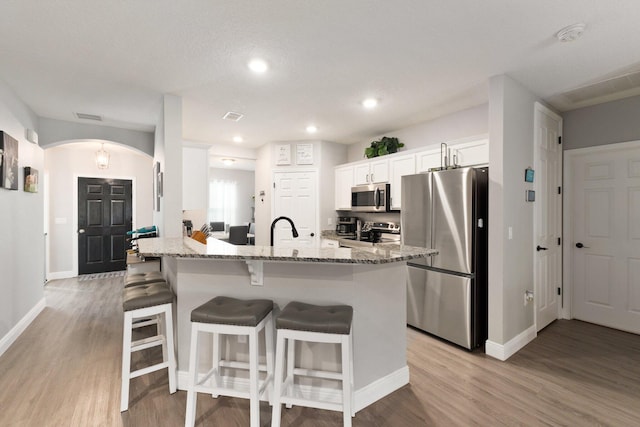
293,227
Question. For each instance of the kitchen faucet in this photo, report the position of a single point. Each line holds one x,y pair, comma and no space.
293,227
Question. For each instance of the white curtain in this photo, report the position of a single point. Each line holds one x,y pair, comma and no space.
223,201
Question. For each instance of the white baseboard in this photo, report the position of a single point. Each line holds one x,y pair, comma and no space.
60,275
380,388
504,351
362,397
19,328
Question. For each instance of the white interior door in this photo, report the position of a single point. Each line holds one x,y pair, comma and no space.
295,196
548,215
606,236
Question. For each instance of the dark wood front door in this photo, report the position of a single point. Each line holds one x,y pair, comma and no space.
104,217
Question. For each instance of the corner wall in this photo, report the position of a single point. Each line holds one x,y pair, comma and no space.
511,132
22,254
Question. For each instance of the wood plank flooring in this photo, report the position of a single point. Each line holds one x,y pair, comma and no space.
64,370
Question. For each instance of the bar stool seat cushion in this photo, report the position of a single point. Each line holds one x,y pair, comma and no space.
232,311
147,295
332,319
141,278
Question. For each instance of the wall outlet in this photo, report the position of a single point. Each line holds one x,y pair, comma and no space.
330,221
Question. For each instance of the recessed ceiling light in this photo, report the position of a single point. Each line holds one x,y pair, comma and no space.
258,65
570,33
370,103
228,162
237,139
312,129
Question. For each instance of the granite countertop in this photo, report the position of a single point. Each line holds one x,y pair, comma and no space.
185,247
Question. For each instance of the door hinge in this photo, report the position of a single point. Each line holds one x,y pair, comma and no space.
274,185
559,140
559,291
559,190
559,241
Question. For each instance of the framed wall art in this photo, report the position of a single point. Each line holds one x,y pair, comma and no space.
30,179
8,162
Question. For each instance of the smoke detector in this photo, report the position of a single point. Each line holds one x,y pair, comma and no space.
570,33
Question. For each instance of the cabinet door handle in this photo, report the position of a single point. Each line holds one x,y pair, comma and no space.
371,177
367,180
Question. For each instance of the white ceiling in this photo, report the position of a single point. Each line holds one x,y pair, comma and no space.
421,59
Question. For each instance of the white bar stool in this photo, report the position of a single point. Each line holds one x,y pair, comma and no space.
323,324
230,316
144,301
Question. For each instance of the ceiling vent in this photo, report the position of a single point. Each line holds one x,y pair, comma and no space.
86,116
233,116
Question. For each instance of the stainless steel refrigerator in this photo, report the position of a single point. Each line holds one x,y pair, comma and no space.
447,293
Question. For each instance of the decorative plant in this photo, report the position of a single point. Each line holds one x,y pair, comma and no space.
386,145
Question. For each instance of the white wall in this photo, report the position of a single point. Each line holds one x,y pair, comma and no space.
168,151
332,154
64,164
511,121
608,123
470,122
195,188
263,183
22,254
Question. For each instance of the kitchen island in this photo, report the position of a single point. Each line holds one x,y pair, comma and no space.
371,280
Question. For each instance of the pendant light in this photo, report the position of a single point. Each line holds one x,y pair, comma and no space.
102,158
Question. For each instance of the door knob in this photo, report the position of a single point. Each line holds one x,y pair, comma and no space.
580,246
540,248
313,234
81,231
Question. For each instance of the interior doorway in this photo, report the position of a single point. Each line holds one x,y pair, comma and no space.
603,242
295,196
547,216
104,217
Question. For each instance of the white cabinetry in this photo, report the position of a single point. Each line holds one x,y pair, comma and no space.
344,182
471,153
398,167
427,159
371,172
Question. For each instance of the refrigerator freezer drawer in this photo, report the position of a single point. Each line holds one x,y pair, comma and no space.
440,304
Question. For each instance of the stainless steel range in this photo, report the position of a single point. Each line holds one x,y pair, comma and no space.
378,232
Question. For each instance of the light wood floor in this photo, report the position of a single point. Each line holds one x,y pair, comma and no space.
64,370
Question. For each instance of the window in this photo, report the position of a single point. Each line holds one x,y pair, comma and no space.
223,201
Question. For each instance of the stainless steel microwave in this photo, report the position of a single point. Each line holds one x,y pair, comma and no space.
371,198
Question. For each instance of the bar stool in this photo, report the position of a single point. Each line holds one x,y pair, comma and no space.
144,301
229,316
143,278
323,324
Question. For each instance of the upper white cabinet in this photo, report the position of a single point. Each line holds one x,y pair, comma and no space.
344,182
471,153
393,167
372,171
399,167
427,159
